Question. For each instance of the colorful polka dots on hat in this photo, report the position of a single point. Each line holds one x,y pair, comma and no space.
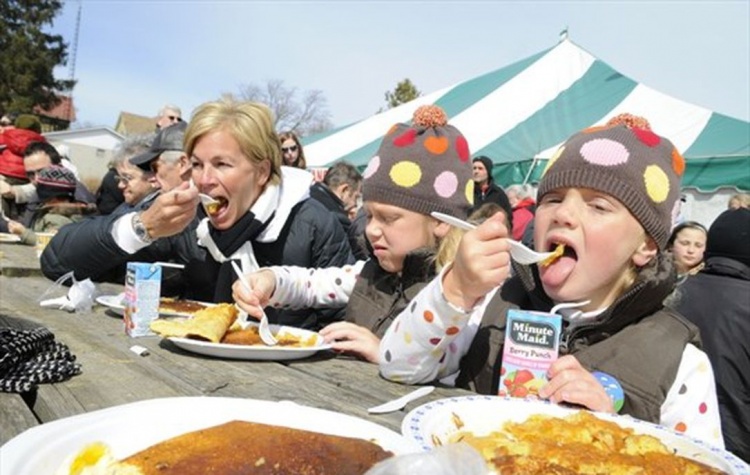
423,167
636,166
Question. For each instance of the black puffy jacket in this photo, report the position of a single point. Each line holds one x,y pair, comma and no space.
717,300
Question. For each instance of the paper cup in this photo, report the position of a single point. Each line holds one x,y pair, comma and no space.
41,242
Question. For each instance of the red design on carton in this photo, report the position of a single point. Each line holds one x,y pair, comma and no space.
532,343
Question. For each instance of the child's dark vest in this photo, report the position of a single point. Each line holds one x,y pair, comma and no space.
633,334
379,296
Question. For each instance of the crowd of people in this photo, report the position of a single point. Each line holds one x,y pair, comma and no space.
660,308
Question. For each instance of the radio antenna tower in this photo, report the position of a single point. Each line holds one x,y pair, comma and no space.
69,103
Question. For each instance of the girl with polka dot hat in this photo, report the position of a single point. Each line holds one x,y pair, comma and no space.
419,168
609,195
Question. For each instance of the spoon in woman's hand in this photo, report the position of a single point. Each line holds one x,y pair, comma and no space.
519,252
210,204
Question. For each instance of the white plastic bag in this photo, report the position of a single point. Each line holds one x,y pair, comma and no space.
80,296
451,459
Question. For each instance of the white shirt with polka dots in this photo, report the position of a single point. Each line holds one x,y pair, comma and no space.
428,339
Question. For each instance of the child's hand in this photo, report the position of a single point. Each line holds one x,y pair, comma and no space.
482,263
570,382
263,285
354,339
15,227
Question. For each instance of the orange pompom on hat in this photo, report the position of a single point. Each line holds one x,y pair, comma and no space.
424,166
630,121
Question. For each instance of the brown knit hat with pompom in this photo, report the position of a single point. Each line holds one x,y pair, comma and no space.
422,167
636,166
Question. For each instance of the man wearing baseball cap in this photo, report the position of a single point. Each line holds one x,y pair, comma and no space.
96,247
165,157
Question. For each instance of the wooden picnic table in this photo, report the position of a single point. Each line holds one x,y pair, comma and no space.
112,374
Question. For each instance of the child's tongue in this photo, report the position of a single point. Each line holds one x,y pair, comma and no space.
556,273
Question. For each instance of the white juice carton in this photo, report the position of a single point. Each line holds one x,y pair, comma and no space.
142,291
532,344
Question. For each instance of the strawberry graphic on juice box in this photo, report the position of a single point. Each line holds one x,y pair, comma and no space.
532,341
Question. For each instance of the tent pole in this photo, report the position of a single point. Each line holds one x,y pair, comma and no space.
531,169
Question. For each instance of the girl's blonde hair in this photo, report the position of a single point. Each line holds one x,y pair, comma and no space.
448,246
249,123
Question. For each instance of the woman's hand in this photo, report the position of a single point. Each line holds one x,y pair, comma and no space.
263,285
171,212
354,339
572,383
482,263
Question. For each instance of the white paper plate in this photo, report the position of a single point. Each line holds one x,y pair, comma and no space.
255,352
485,414
116,304
130,428
7,237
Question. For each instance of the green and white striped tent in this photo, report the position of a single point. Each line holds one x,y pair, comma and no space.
519,115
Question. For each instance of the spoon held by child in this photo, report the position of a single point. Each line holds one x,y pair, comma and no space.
519,252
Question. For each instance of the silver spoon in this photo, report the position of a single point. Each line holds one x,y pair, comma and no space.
207,201
263,329
519,252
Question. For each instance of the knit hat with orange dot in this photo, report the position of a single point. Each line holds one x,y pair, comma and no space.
636,166
424,166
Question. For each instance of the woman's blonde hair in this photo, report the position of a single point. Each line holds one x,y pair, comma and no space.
249,123
742,200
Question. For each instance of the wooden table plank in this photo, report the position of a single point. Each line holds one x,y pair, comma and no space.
19,260
15,416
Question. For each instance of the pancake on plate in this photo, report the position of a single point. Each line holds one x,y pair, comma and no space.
209,324
239,447
250,336
577,444
171,305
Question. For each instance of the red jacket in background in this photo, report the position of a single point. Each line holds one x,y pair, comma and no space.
13,142
522,214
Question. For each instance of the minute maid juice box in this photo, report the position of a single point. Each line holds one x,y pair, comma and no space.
532,341
142,291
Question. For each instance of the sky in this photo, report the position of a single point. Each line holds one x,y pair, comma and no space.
135,56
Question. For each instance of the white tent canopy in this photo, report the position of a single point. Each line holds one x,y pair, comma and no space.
520,114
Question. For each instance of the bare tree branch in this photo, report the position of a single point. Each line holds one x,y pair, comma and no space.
305,116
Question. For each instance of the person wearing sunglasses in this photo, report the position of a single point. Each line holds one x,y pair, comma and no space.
291,150
36,157
57,206
168,115
15,136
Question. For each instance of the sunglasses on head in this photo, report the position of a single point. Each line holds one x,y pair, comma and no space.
293,148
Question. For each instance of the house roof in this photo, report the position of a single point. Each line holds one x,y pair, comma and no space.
65,110
133,124
99,137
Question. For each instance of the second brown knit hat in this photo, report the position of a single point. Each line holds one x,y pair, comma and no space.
636,166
